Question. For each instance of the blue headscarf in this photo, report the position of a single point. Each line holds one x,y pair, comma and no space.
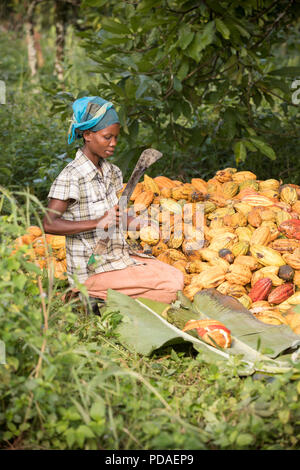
91,112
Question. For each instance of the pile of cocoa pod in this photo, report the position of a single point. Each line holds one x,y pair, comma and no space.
246,246
45,250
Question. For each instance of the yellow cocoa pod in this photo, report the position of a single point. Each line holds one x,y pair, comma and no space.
250,183
220,262
289,195
268,215
270,193
164,182
149,235
225,175
216,222
176,240
236,290
166,192
241,176
196,266
159,248
238,274
223,241
164,257
261,236
244,234
271,318
230,189
137,190
296,207
180,264
58,241
184,191
60,269
240,248
266,256
207,254
254,217
34,231
284,306
282,216
170,205
151,185
292,319
223,288
176,254
271,184
214,187
236,220
209,207
274,232
260,306
296,279
192,248
242,208
209,278
187,278
245,301
294,299
191,290
61,254
246,260
143,201
199,184
293,259
221,212
211,233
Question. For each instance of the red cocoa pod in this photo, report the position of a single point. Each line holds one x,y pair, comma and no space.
291,228
261,289
281,293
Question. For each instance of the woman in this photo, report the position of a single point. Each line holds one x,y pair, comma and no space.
83,204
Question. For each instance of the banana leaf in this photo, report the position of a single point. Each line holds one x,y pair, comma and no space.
271,340
144,330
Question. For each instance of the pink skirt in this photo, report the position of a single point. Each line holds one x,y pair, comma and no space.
154,280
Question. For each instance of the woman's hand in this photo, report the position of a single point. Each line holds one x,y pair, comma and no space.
110,219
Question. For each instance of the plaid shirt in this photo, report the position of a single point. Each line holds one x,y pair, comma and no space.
92,194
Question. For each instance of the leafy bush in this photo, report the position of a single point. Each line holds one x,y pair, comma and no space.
69,384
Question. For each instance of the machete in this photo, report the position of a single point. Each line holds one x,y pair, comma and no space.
147,158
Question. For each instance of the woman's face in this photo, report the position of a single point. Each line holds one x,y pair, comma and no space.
102,143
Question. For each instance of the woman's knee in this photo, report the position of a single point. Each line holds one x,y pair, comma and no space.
175,281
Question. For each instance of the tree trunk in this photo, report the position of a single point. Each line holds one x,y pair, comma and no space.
60,27
37,43
29,31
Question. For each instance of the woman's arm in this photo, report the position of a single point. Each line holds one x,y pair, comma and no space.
53,222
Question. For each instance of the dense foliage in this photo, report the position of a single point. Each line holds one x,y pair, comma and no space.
208,83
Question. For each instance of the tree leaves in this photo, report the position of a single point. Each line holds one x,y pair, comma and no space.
287,72
263,147
201,41
185,36
222,28
240,152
